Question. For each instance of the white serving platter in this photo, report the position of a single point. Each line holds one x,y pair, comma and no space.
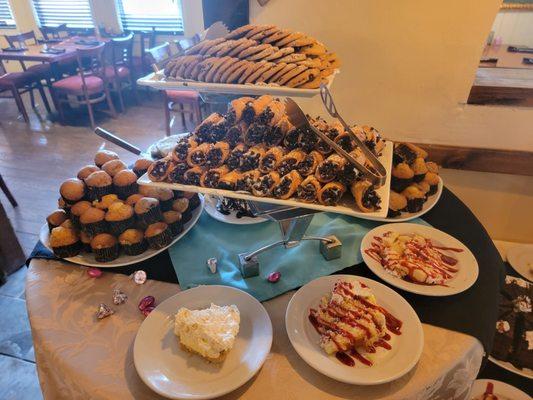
502,391
157,80
461,281
525,372
123,260
177,374
346,205
231,218
387,365
520,256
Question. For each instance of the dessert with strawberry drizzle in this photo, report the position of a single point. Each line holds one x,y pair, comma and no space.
489,393
413,258
351,323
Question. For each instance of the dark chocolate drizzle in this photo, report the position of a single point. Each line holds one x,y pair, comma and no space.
274,136
283,187
371,199
255,133
331,196
292,139
213,158
160,168
176,174
250,161
307,192
192,178
268,162
234,135
328,170
234,159
286,166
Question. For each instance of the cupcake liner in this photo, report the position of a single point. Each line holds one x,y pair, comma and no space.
393,213
419,177
178,194
166,205
140,172
72,202
176,227
50,227
186,216
86,247
399,184
75,221
117,227
415,205
94,228
124,191
69,250
432,190
161,240
149,217
97,192
135,249
106,254
194,202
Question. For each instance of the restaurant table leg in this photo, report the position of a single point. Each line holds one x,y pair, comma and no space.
43,96
20,104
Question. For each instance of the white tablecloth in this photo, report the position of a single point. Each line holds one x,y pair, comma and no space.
79,357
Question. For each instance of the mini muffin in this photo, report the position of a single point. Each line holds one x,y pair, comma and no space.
141,166
85,242
147,211
133,199
178,194
99,183
182,206
72,190
68,224
64,242
132,242
62,204
92,221
105,202
158,235
432,179
415,198
77,209
112,167
174,220
56,218
125,183
194,199
119,217
420,169
397,203
86,171
402,176
103,156
105,247
165,197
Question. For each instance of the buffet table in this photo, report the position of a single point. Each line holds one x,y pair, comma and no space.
80,357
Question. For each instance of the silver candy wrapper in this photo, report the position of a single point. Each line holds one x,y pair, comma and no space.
212,264
139,277
119,297
103,311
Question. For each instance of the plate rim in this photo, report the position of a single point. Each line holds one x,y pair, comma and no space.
197,212
422,290
511,256
418,323
510,367
497,382
215,214
233,387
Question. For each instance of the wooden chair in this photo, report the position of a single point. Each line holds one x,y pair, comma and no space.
54,33
141,63
6,191
120,73
187,102
18,83
89,87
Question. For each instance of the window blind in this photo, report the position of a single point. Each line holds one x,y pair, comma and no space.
6,17
74,13
142,15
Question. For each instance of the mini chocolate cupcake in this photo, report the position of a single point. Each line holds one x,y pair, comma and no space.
141,166
158,235
56,218
194,199
397,204
125,183
103,156
65,242
402,176
105,247
119,217
182,206
72,190
415,198
147,211
105,202
432,179
113,167
165,197
99,183
133,199
84,172
174,220
92,221
132,242
85,242
419,168
76,210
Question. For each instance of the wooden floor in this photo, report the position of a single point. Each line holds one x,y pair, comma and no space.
36,158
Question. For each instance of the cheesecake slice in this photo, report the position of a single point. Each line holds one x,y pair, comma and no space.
210,332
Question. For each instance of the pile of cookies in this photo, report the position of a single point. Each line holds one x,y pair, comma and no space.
257,54
103,211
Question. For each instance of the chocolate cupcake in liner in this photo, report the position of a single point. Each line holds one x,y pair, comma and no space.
65,242
415,198
56,218
397,204
72,190
141,166
147,211
119,217
402,176
85,242
174,220
125,182
105,247
103,156
76,210
432,179
132,242
166,198
99,183
92,221
419,168
183,207
194,199
158,235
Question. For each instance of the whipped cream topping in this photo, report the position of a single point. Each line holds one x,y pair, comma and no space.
502,326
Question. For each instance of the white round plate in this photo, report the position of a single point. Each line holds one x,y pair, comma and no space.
388,364
428,205
178,374
520,257
88,258
467,264
502,390
526,372
211,209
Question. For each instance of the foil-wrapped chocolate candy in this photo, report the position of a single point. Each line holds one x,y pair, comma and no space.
212,264
119,297
94,272
273,277
139,277
104,311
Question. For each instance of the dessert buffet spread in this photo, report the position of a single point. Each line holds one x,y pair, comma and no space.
257,55
253,152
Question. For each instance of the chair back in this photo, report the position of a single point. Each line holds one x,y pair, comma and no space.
54,32
82,31
147,40
122,52
21,39
159,56
91,61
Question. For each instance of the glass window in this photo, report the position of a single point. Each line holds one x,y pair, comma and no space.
144,15
6,16
74,13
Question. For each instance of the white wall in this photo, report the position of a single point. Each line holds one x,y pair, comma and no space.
514,27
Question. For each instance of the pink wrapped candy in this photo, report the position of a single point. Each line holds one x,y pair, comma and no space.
273,277
148,301
94,272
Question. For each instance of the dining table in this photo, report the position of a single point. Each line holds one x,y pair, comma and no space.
79,356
